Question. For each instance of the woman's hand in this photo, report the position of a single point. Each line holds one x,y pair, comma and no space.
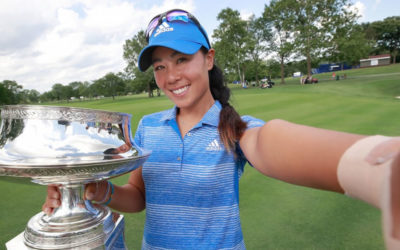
53,199
96,191
380,154
384,151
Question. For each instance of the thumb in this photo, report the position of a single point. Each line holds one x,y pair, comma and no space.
384,151
91,191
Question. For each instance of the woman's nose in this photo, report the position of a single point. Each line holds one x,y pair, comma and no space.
173,76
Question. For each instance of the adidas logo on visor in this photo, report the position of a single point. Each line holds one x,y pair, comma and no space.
164,27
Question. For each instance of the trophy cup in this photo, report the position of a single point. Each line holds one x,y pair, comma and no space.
68,147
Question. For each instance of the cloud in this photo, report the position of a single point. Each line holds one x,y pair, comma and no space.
245,14
360,9
45,42
20,26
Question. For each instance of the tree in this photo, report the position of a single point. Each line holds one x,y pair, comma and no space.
315,22
11,91
232,39
273,68
33,96
259,43
75,87
84,89
24,96
141,81
388,35
279,15
349,44
255,70
95,89
47,96
111,85
4,95
58,91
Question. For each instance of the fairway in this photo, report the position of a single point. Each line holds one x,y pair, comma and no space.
274,215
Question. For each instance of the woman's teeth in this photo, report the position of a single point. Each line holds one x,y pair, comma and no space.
179,91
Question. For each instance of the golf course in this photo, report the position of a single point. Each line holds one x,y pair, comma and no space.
274,214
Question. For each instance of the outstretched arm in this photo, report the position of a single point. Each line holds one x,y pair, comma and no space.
367,168
297,154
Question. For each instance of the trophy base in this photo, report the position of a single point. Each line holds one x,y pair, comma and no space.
115,240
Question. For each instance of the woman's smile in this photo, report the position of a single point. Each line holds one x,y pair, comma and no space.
180,91
184,78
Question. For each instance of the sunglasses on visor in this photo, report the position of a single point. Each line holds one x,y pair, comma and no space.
175,15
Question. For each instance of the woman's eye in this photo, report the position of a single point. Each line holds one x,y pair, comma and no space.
181,59
159,67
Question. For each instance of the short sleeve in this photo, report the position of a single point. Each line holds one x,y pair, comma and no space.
251,123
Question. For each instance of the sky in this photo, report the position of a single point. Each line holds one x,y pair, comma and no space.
44,42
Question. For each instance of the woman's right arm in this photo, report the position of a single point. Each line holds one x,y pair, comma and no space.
127,198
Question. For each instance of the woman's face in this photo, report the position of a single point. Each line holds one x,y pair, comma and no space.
184,78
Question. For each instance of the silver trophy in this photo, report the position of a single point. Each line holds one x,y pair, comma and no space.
68,147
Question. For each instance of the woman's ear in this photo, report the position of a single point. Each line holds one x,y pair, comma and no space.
210,58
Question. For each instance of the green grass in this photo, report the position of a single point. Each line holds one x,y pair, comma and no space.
274,215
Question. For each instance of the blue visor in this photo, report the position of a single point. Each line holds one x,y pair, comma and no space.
184,37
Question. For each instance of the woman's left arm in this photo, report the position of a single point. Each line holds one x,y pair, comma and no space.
297,154
367,168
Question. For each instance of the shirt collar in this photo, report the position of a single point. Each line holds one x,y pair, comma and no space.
169,114
212,115
210,118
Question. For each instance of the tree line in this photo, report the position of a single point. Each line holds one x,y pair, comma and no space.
289,36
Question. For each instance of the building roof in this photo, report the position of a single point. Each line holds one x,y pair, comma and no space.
379,56
383,56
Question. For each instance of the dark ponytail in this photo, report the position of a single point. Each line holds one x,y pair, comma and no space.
231,126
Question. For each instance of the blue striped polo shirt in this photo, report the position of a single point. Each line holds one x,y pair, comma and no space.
191,184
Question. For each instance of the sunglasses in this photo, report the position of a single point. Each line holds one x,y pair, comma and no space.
175,15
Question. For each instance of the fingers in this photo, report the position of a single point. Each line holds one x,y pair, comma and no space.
52,199
95,191
395,196
384,151
90,191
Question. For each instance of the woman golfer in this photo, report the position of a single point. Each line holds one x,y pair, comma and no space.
189,184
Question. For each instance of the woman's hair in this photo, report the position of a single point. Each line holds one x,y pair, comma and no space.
231,126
